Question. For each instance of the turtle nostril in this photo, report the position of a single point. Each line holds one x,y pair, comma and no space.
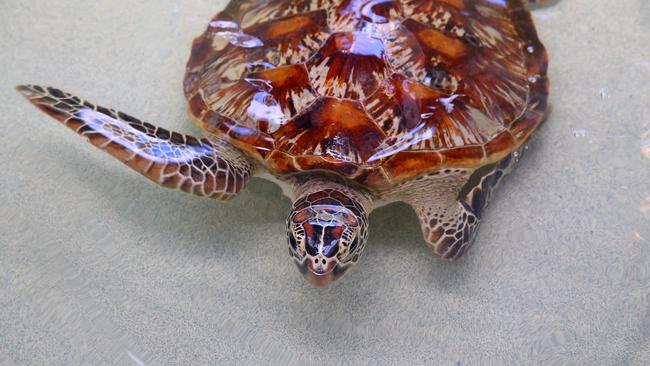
320,264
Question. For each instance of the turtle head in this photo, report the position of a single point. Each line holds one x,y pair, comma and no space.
327,231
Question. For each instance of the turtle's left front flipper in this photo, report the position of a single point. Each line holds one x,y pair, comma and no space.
205,167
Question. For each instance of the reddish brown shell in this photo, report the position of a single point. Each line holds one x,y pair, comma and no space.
378,91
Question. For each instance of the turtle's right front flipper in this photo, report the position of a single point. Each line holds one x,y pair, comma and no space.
206,167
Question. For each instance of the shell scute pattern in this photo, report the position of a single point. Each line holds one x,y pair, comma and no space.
378,91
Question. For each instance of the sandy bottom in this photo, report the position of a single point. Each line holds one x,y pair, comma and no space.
99,266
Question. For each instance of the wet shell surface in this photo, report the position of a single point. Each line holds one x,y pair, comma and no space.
377,91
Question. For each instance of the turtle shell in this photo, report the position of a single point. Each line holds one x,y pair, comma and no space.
378,91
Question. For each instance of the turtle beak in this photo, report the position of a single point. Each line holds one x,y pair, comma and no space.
319,274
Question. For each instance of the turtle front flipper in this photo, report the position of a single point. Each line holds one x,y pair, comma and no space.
450,218
205,167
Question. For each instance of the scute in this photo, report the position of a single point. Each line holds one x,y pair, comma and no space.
331,127
349,65
378,91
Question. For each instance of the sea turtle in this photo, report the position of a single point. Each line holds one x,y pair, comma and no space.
348,105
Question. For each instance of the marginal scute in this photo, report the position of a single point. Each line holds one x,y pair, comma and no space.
327,163
501,144
374,177
535,110
378,91
279,161
410,164
466,156
197,105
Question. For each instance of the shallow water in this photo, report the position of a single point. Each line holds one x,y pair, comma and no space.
98,266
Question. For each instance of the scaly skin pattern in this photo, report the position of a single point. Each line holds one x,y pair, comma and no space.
449,211
327,228
205,167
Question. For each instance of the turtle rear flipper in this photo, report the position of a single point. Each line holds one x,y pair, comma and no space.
205,167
